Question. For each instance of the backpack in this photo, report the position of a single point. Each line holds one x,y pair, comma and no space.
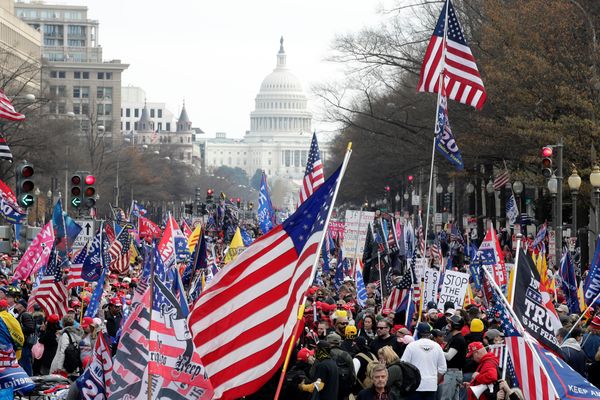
292,378
345,370
410,381
371,362
72,356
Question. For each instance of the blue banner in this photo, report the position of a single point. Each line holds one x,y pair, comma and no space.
266,215
96,259
592,283
569,283
444,139
10,213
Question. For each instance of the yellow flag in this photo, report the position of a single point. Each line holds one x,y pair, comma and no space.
580,296
469,295
194,237
133,253
511,282
235,248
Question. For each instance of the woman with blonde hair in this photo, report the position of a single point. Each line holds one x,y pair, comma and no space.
388,356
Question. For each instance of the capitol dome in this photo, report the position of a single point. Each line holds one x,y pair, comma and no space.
281,107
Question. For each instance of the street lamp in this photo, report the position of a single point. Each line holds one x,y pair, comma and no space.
439,189
489,188
595,181
397,198
553,189
518,189
470,189
37,193
574,182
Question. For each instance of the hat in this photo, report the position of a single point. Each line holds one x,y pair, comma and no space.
476,325
433,311
304,353
70,310
448,304
473,347
493,334
3,303
386,311
97,322
423,327
113,276
350,332
595,322
87,321
563,308
450,311
115,301
54,318
334,339
126,279
437,333
404,330
75,303
23,303
348,279
431,304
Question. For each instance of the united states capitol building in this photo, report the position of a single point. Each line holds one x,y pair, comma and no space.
280,131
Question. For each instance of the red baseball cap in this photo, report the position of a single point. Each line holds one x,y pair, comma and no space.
304,353
54,318
87,321
115,301
3,303
473,347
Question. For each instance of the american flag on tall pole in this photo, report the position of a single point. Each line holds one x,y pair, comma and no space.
119,252
452,57
313,176
501,180
5,153
7,111
74,278
52,294
245,317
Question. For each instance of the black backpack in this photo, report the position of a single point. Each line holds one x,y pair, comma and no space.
72,356
410,381
291,380
345,371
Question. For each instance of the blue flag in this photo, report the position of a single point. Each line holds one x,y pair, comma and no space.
266,215
569,283
325,260
94,306
339,276
245,237
197,262
361,290
72,230
444,139
591,288
11,212
97,258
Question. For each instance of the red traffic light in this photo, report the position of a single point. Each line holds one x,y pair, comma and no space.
238,200
76,180
546,151
89,192
410,178
387,188
210,192
90,180
27,171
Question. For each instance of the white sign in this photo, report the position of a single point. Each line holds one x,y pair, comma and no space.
431,280
437,218
454,288
420,264
88,230
415,200
355,227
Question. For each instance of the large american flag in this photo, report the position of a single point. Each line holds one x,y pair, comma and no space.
7,111
461,76
400,293
74,275
5,153
313,176
119,252
501,180
52,294
244,318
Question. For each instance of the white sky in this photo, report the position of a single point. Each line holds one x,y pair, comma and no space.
215,54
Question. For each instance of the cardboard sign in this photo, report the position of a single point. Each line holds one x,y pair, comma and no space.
355,228
431,280
454,288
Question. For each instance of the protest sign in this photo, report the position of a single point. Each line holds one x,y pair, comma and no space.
355,227
454,288
431,279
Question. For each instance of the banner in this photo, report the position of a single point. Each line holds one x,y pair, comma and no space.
336,228
490,257
592,282
431,280
454,288
37,253
444,138
354,232
93,382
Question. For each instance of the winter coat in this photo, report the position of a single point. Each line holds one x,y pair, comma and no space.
487,373
50,341
574,355
63,342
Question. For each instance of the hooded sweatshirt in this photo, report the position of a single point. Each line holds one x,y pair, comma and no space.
63,341
574,355
487,373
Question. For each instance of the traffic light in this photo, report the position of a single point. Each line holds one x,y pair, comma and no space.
239,202
250,206
76,189
209,196
25,184
189,208
89,190
198,197
547,162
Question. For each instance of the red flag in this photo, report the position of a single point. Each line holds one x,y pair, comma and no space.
7,111
148,229
185,228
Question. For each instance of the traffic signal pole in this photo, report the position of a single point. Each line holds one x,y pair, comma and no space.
559,204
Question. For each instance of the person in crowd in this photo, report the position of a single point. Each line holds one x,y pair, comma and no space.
379,390
455,353
570,349
349,338
322,330
438,337
384,337
390,359
361,360
69,334
487,368
28,328
343,359
591,341
340,323
297,374
493,337
86,345
326,376
368,329
48,331
429,358
476,331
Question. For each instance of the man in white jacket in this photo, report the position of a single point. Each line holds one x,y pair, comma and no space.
428,357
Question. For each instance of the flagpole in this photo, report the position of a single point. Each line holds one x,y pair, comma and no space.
514,278
519,326
151,282
313,271
581,317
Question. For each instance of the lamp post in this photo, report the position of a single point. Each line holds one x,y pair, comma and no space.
595,181
37,193
574,182
489,188
406,203
470,189
397,198
553,189
450,190
518,189
439,189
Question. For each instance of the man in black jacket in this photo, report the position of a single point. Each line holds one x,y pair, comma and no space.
571,350
29,329
325,379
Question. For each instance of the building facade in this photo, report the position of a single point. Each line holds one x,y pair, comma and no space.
280,130
133,101
75,79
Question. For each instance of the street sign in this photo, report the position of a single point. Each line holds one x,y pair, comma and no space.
88,230
437,218
415,199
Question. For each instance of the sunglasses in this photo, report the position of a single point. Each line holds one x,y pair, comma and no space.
382,327
342,323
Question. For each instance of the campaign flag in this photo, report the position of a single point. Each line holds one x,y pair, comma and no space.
173,246
245,316
512,212
148,229
361,290
95,300
569,283
138,210
452,57
52,294
591,289
325,257
74,278
11,212
444,138
95,380
313,176
5,153
246,237
539,237
490,257
37,253
197,262
533,304
97,257
7,111
266,214
7,193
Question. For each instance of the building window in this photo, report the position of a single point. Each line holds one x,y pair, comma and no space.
104,92
128,112
135,126
180,140
127,125
159,111
81,92
152,113
288,158
104,109
269,162
100,75
168,126
58,74
81,75
76,43
58,91
76,30
136,112
296,158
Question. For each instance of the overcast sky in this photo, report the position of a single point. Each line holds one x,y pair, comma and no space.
215,54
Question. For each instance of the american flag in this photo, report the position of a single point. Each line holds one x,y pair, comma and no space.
399,293
5,153
245,316
436,253
52,294
501,180
313,176
7,111
119,252
461,77
74,278
531,376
